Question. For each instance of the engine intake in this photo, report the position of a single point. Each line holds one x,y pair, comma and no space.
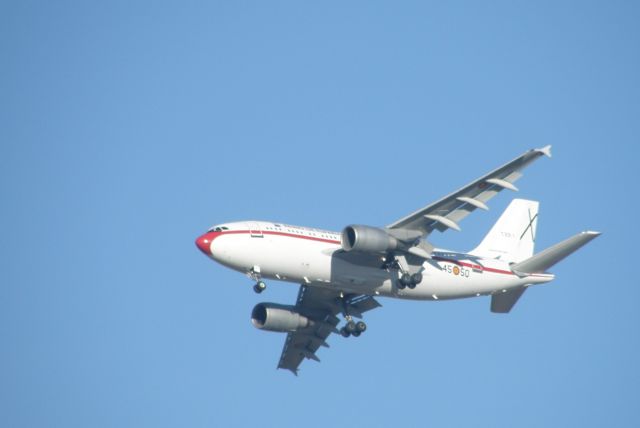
367,239
280,318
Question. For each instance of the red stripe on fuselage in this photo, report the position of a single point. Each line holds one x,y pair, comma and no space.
472,266
331,241
257,233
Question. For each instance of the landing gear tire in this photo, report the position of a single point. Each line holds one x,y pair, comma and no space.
405,281
351,327
416,278
354,329
259,287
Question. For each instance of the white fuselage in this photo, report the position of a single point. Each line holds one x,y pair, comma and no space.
311,256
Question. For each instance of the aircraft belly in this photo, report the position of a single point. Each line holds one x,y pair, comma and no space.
360,279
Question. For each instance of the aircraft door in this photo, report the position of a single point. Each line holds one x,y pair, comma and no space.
255,230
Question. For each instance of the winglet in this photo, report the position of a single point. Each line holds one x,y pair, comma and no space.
546,150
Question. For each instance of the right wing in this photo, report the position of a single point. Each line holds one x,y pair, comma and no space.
448,211
321,306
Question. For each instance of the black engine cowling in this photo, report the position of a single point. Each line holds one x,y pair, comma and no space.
367,239
280,318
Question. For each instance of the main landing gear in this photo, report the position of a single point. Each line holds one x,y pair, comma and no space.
406,280
410,281
352,328
390,263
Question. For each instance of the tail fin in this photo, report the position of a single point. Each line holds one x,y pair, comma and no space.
513,236
552,255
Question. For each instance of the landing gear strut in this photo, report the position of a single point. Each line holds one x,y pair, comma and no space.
399,263
351,328
390,262
254,273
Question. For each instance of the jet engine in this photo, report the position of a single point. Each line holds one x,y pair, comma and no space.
367,239
280,318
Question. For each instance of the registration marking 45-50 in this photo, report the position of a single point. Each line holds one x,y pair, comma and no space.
456,270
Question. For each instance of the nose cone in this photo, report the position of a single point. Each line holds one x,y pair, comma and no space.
204,242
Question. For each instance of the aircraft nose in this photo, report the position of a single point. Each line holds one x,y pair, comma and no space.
203,242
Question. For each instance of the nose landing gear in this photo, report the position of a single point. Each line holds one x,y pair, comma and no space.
254,274
259,287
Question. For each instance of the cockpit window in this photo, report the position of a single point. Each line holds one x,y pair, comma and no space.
218,228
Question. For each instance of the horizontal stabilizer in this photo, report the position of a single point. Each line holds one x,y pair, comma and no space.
503,302
552,255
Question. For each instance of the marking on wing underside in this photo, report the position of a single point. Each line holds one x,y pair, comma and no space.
530,226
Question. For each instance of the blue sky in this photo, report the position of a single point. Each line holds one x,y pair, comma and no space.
128,128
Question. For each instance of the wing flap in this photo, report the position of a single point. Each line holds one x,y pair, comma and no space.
304,344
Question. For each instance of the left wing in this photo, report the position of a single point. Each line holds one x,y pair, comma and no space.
448,211
321,306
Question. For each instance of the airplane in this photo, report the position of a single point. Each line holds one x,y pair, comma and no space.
342,273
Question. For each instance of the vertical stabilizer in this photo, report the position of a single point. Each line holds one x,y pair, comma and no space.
513,236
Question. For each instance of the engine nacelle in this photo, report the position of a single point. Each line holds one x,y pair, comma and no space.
281,318
368,239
